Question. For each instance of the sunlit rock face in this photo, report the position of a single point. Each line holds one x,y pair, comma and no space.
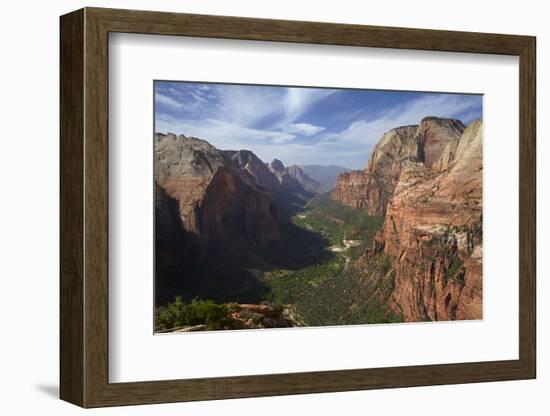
428,142
433,234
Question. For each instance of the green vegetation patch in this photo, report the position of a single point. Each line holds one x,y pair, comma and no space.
198,312
336,221
289,286
454,267
330,292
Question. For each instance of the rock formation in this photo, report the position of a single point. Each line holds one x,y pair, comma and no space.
306,182
253,316
372,188
283,175
292,195
250,316
217,203
260,173
433,229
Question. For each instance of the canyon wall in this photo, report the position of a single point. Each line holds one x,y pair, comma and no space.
433,230
222,206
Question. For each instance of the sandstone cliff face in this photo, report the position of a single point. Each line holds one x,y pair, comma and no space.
436,136
433,233
358,190
426,143
260,173
289,187
220,205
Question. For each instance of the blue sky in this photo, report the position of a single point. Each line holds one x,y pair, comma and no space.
299,125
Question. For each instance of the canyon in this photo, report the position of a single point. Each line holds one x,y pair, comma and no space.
233,228
219,208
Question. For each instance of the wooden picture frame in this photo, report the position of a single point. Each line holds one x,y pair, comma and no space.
84,207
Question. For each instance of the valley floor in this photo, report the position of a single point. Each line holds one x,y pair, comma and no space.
327,290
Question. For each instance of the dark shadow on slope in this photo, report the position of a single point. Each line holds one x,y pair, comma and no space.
225,270
296,249
238,279
210,279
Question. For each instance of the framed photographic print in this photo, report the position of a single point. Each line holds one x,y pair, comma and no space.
255,207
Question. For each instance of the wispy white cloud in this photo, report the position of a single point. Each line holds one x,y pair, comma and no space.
223,134
168,101
298,100
284,122
304,129
367,133
246,106
469,116
198,96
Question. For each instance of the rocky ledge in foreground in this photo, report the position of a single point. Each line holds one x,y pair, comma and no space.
249,316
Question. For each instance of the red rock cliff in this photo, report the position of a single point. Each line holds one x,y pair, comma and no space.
433,234
372,188
219,204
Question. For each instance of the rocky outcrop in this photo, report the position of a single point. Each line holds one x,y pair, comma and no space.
284,177
427,143
436,136
253,316
359,190
292,195
248,316
303,179
217,203
289,187
259,172
433,231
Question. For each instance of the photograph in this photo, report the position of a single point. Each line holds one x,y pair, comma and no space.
291,206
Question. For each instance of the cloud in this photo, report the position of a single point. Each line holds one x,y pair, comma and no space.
439,105
298,100
223,134
304,129
168,101
198,96
246,106
355,142
284,122
367,133
470,116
